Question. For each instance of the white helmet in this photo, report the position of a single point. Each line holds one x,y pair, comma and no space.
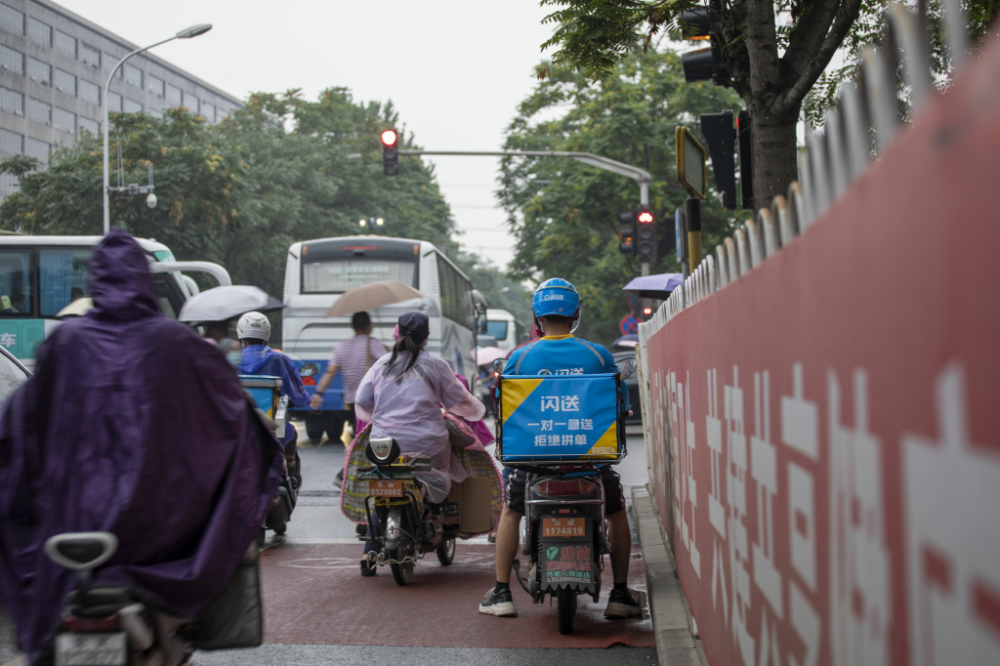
253,325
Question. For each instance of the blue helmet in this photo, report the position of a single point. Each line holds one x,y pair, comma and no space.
556,296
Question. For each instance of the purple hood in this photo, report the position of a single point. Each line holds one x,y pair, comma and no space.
132,425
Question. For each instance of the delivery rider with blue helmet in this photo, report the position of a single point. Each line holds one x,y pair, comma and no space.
556,305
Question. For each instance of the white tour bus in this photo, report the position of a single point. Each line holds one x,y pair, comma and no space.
41,275
318,271
507,330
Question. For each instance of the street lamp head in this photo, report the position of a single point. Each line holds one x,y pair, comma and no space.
363,222
194,31
380,221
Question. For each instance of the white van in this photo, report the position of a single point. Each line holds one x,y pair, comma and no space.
507,330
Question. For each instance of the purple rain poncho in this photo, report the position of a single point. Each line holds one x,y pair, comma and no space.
132,425
407,407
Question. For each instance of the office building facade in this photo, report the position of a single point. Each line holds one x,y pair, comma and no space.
53,68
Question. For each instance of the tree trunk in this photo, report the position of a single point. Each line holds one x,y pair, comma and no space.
775,163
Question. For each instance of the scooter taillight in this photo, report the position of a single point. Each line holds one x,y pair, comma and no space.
89,625
564,487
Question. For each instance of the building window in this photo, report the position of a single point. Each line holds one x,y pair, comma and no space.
90,56
9,184
12,101
91,126
208,110
173,96
64,82
39,111
11,143
39,71
39,32
11,19
65,120
155,85
11,60
38,149
66,44
109,62
156,113
133,75
114,101
90,92
191,102
132,106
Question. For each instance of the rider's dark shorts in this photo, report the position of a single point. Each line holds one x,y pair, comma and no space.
513,491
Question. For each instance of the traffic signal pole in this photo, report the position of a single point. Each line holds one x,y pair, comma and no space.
641,176
692,213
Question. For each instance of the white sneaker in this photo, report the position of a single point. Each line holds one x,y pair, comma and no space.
500,604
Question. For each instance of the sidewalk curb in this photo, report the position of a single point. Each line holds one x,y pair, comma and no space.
673,624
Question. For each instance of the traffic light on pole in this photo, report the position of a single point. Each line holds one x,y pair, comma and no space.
702,64
645,234
718,131
627,243
390,152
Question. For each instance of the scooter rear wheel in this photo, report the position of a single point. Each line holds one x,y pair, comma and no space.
566,607
402,573
446,551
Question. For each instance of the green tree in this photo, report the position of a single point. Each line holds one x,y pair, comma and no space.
773,53
564,213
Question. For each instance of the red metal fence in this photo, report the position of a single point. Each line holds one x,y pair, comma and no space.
824,430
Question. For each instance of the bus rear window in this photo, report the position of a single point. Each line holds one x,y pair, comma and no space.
335,275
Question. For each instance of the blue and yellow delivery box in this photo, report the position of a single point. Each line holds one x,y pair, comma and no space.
265,391
559,418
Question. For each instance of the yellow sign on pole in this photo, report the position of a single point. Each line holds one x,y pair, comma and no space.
691,170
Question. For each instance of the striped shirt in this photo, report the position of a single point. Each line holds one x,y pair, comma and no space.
353,357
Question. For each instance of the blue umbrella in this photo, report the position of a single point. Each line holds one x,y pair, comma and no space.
655,286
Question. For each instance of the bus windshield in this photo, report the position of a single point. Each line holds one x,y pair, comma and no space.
333,267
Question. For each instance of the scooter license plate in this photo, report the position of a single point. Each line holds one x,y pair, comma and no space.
570,528
109,649
385,488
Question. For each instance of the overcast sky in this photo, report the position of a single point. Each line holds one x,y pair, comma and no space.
455,70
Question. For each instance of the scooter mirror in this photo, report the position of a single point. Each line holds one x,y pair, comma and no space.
498,366
626,366
81,551
308,370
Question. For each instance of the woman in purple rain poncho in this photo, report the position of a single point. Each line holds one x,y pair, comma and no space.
131,425
401,395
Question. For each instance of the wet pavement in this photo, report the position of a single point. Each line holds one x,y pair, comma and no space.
319,610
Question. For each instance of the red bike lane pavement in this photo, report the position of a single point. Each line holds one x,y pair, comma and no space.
314,594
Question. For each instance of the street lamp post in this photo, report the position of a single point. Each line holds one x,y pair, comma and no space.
188,33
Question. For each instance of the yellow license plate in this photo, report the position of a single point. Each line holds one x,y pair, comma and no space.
385,488
564,527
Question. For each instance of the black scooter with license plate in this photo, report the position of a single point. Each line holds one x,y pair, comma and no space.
564,533
400,522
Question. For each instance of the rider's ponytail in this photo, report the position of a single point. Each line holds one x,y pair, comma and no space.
407,344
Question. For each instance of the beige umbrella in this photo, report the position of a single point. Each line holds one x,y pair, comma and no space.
371,296
77,308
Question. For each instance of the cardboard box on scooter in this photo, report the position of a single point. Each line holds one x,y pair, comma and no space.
473,496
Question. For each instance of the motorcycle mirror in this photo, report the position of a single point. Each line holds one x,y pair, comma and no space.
81,551
498,366
308,370
626,367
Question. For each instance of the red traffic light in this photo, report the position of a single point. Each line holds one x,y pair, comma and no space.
389,138
645,217
647,311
